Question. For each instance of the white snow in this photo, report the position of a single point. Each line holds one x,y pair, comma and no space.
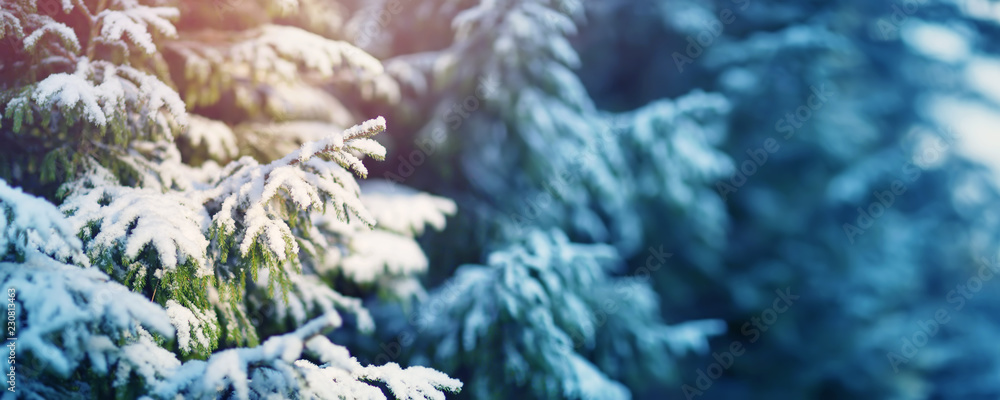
190,325
173,224
935,40
63,32
36,226
134,22
216,136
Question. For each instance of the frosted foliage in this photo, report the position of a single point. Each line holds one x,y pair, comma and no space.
274,369
134,21
545,125
308,180
542,287
144,358
189,241
31,225
191,326
403,210
74,314
603,172
238,370
279,58
74,91
129,219
58,29
167,171
691,138
671,147
377,253
516,31
413,383
124,19
634,343
279,50
216,136
390,250
551,288
100,92
10,25
309,293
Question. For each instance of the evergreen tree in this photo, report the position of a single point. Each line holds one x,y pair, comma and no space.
171,267
851,95
555,315
649,199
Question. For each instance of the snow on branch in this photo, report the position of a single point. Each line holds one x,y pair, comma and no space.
10,24
72,313
546,291
403,210
133,22
282,48
371,254
273,54
64,33
217,138
542,284
258,206
275,368
104,95
32,225
197,330
310,296
123,219
390,250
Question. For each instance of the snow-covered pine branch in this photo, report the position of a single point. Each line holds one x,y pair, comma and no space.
545,305
276,368
671,147
60,31
123,221
42,283
21,20
363,255
66,316
145,237
310,296
271,55
215,137
131,103
547,293
133,22
256,209
171,235
31,225
539,115
72,98
9,24
403,210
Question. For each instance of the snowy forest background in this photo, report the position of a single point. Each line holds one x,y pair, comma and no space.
414,199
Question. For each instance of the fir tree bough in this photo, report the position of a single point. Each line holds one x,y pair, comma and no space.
162,259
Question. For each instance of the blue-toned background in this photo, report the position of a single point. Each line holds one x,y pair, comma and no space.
819,175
